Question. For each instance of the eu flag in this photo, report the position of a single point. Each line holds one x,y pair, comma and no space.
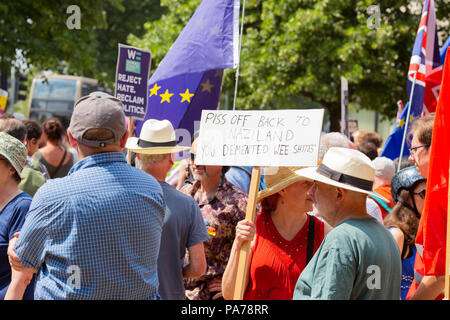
426,65
189,78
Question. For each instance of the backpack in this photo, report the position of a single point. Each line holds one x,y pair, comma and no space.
32,178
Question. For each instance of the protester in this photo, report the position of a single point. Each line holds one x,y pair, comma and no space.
371,136
56,158
333,139
408,191
14,203
14,127
286,239
425,286
337,139
404,163
357,136
94,234
222,205
368,148
184,228
241,176
384,171
34,136
32,175
419,153
358,259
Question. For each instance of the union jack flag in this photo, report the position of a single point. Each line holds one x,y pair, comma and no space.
426,61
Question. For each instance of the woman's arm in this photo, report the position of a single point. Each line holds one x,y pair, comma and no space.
20,275
20,279
245,231
399,238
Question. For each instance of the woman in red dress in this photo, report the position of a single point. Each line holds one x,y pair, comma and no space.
284,238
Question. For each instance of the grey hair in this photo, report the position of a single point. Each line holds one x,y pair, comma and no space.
149,159
332,139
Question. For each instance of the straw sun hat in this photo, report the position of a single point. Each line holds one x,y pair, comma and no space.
284,177
157,137
344,168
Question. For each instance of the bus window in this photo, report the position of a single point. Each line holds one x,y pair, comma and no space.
55,96
55,89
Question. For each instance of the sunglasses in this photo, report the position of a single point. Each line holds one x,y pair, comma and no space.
421,194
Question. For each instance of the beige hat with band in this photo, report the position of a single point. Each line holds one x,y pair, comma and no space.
344,168
157,137
284,177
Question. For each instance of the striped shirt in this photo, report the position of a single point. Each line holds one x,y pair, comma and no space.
95,234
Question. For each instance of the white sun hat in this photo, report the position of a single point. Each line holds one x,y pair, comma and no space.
157,137
344,168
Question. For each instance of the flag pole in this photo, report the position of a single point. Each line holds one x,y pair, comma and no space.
239,63
407,121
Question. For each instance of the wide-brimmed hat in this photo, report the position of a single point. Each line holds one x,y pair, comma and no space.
284,177
13,150
157,137
344,168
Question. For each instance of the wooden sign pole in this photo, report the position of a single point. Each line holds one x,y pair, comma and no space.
447,248
244,254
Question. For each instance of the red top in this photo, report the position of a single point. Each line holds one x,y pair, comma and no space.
385,191
277,263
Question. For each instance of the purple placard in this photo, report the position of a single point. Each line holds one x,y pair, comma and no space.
133,66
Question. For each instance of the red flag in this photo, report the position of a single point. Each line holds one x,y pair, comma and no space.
432,230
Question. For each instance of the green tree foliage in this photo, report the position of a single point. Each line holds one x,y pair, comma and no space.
294,50
37,30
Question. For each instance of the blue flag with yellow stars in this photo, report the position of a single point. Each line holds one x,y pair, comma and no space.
189,78
393,143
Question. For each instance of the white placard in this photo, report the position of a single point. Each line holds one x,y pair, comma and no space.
259,138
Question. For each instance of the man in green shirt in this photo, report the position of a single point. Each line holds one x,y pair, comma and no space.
358,259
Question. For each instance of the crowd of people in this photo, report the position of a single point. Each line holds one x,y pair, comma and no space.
78,221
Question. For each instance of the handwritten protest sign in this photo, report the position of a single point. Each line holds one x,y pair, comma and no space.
260,138
133,67
268,138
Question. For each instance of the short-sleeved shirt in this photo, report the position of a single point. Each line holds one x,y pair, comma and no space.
241,177
95,234
221,214
183,228
12,217
358,260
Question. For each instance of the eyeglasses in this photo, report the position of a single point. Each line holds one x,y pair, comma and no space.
412,151
421,194
192,156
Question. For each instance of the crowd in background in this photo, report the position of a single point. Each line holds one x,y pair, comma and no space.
79,222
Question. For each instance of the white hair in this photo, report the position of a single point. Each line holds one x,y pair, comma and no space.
149,159
332,139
